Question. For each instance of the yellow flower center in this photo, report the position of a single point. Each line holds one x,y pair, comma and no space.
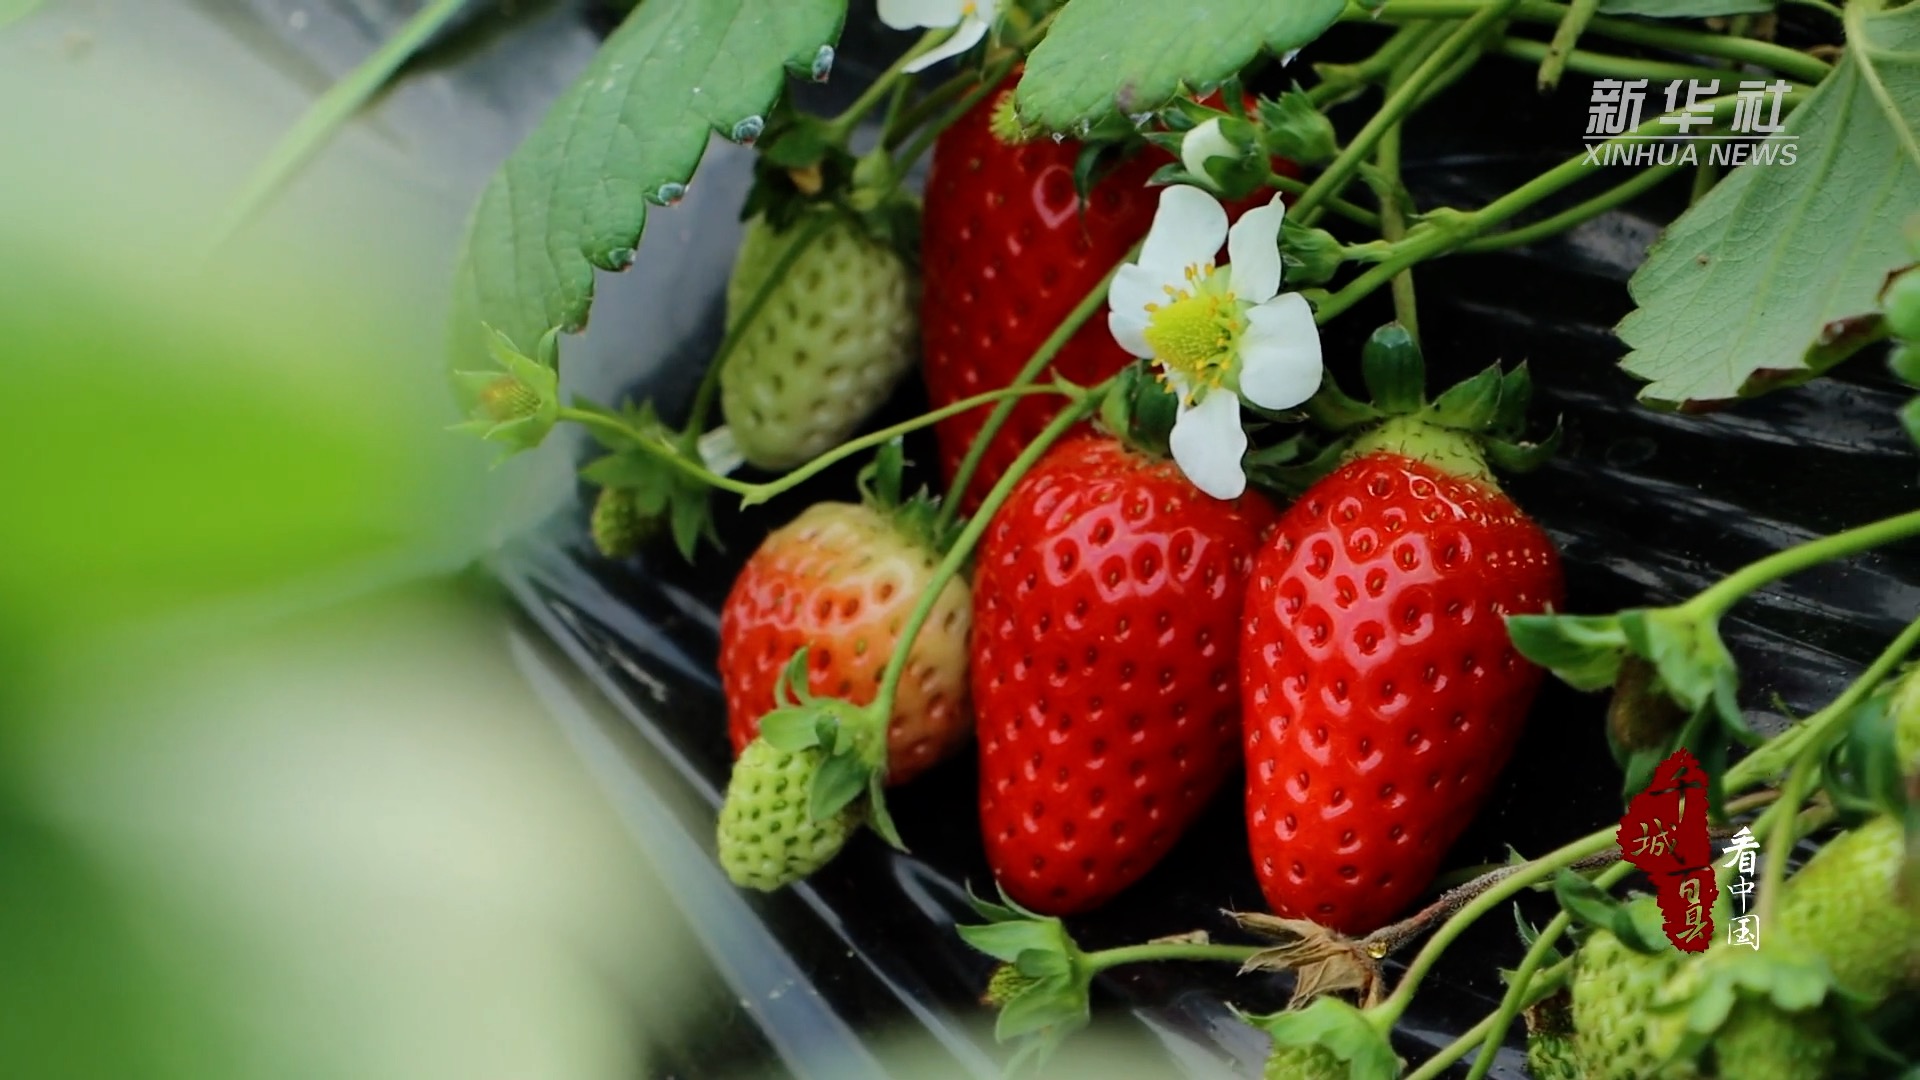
1193,332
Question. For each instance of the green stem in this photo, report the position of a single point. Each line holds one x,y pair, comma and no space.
923,139
1399,102
640,441
1553,61
1359,215
1789,62
1390,1010
1518,986
1574,215
1142,954
1446,229
1037,363
963,545
1593,63
1781,838
798,476
739,323
1393,221
1768,759
1716,600
840,125
1337,80
333,109
1544,984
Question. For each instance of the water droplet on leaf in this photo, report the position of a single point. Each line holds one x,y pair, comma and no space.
747,130
823,63
669,193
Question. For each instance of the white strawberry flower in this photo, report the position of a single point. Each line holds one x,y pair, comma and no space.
1218,333
969,18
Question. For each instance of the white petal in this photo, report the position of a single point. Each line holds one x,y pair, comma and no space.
1202,143
965,37
1188,228
1280,353
1136,286
914,14
1208,444
1131,332
1253,247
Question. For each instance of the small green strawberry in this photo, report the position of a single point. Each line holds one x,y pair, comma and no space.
768,837
1620,1033
1760,1041
1305,1063
828,345
1327,1040
1551,1054
618,525
1843,904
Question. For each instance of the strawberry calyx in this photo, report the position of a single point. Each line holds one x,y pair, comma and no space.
851,740
1330,1027
518,401
1043,985
916,517
1471,426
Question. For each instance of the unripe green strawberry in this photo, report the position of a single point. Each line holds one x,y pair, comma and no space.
1006,983
1761,1042
618,526
1905,709
766,838
1552,1057
1843,905
1619,1034
1305,1063
827,347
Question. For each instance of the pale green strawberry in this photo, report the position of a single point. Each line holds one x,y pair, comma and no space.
1550,1051
766,838
1842,904
1305,1063
826,349
1762,1042
1620,1033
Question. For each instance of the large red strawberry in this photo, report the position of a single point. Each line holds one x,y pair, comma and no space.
840,580
1007,249
1382,694
1106,607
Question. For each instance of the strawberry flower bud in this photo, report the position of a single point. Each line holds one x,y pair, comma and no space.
1218,333
520,401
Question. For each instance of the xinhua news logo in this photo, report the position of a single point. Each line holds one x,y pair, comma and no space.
1745,129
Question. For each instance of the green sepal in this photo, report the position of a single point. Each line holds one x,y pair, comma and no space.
1308,256
1007,939
1643,721
842,778
1338,1028
1691,660
1292,127
1057,1003
1522,457
1139,410
1584,651
1865,776
791,728
1470,405
880,479
1395,374
1637,924
1332,409
1516,392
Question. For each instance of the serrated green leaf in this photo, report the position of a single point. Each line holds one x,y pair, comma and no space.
1583,650
1743,291
841,779
1129,56
631,129
1684,9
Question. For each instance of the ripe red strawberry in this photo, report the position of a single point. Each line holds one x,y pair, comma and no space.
841,579
1106,602
1381,691
1007,249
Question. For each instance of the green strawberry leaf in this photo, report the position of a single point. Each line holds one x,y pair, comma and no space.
841,779
1585,651
1865,775
1130,56
1759,283
631,130
1636,924
1340,1029
1692,662
792,729
879,818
